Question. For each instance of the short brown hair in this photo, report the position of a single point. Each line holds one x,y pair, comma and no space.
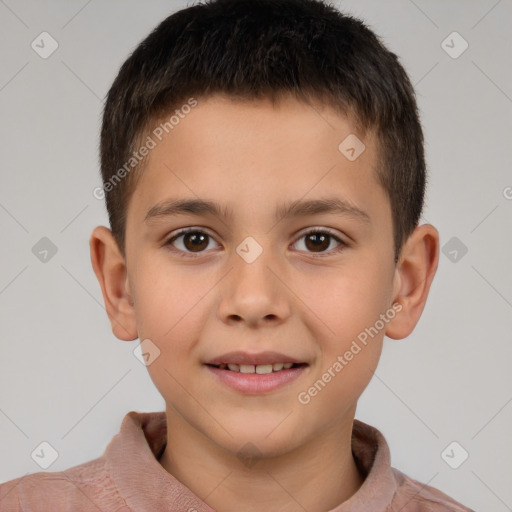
253,49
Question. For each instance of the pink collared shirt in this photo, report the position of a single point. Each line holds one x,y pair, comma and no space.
129,478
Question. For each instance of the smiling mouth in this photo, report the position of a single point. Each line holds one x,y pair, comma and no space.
260,369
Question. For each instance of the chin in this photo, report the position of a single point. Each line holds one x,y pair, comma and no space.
254,439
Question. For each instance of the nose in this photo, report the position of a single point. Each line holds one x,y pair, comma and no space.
253,293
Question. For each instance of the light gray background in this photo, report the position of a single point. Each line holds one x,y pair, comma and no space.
67,380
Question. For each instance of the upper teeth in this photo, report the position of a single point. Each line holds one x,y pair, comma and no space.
258,368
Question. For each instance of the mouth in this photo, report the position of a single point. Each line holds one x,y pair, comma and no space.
260,369
256,374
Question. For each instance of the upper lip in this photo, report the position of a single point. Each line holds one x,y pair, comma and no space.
254,359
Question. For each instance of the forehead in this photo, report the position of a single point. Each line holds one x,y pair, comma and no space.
247,154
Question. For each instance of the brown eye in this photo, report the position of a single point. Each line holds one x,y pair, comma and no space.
195,241
318,242
188,242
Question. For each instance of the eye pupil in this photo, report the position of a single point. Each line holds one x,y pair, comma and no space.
197,239
318,240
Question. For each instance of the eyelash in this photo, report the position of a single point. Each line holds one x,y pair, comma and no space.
186,254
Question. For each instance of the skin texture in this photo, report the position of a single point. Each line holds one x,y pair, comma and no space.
304,300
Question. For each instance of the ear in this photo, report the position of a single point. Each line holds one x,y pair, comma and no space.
414,273
110,269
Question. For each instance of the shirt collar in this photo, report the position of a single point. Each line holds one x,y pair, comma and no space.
132,462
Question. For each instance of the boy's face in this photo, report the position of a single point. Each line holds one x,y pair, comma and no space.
304,297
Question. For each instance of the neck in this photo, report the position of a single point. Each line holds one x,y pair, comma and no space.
317,476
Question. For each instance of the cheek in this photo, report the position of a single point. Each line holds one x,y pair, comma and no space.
174,330
350,352
355,307
168,299
348,329
169,309
335,392
343,302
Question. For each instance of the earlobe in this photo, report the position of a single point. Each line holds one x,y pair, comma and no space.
110,269
414,274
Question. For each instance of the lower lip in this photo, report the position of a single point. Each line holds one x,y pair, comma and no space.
255,383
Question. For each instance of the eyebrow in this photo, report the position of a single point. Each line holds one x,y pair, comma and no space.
171,207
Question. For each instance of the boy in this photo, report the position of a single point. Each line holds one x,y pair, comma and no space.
282,140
